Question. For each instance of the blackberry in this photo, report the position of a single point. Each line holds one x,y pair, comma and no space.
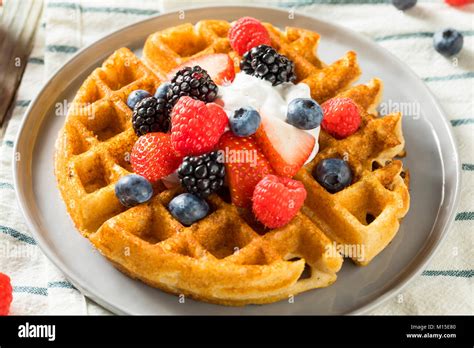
266,63
150,115
194,82
202,175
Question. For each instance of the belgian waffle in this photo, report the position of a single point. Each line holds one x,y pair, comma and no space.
228,258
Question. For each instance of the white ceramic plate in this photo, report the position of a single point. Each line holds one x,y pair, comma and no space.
432,160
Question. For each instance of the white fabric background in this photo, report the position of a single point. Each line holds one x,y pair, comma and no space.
445,287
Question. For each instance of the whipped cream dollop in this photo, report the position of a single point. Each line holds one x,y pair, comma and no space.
268,100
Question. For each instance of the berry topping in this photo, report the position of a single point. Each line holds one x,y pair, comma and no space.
341,117
136,96
162,91
196,126
333,174
287,148
403,5
266,63
448,42
153,157
188,208
150,115
304,113
171,181
219,66
276,200
246,33
202,175
194,82
245,167
244,121
5,294
458,2
133,189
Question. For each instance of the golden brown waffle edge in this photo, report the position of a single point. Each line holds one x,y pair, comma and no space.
225,258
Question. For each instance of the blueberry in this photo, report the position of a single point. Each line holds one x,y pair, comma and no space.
304,113
448,42
188,208
136,96
333,174
133,189
403,4
162,90
245,121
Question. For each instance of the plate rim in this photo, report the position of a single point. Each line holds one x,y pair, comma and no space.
428,250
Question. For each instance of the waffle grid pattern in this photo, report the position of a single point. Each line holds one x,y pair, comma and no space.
227,258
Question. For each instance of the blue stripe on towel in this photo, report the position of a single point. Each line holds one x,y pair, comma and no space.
36,60
468,273
62,48
16,234
415,35
22,103
468,75
6,185
35,290
122,10
465,215
462,121
468,166
61,284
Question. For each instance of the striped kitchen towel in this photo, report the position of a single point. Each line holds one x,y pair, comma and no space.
445,287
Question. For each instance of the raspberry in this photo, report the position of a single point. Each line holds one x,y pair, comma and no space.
247,33
458,2
276,200
153,156
196,126
5,294
341,117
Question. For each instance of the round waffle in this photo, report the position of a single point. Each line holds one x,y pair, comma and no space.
228,257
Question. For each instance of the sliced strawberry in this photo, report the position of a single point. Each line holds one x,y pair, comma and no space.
245,167
153,156
286,147
219,66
